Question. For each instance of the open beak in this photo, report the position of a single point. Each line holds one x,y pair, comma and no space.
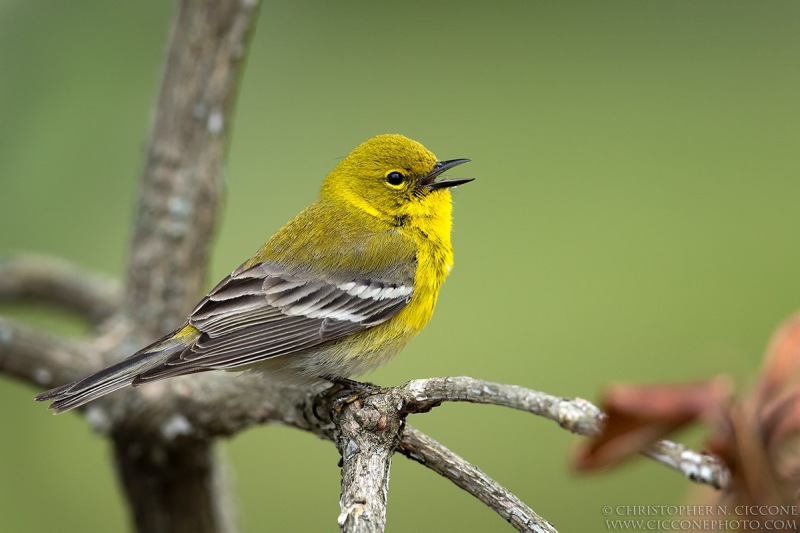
430,182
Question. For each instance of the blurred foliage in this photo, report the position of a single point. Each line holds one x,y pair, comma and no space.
634,217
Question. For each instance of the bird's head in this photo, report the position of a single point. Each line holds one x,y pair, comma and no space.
393,176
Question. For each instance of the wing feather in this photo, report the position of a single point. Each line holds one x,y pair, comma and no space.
266,311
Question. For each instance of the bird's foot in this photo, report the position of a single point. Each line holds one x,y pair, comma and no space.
347,391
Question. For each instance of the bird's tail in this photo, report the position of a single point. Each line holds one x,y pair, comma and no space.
115,376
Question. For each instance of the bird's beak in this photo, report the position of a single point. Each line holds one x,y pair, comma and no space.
430,182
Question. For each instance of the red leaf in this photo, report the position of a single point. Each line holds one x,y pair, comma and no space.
640,415
781,362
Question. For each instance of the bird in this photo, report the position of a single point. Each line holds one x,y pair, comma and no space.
336,292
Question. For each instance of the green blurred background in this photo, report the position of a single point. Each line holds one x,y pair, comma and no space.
634,218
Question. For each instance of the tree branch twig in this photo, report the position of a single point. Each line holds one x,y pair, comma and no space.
421,448
699,467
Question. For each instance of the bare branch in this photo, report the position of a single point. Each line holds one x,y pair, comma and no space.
423,449
577,415
43,360
56,281
367,435
699,467
365,431
177,212
217,404
177,476
182,178
206,406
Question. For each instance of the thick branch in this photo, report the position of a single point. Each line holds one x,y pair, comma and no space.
182,180
178,476
181,189
367,436
206,406
56,281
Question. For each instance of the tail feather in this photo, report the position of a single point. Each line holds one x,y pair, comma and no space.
112,378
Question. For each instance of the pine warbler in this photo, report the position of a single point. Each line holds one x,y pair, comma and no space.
336,292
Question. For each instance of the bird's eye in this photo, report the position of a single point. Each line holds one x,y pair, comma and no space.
395,179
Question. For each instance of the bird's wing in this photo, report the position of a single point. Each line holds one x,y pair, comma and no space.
267,310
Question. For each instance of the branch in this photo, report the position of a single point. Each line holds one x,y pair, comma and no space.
41,359
206,406
182,177
367,434
222,404
577,415
366,431
426,451
699,467
56,281
177,212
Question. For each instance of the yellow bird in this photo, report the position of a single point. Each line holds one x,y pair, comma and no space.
335,292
